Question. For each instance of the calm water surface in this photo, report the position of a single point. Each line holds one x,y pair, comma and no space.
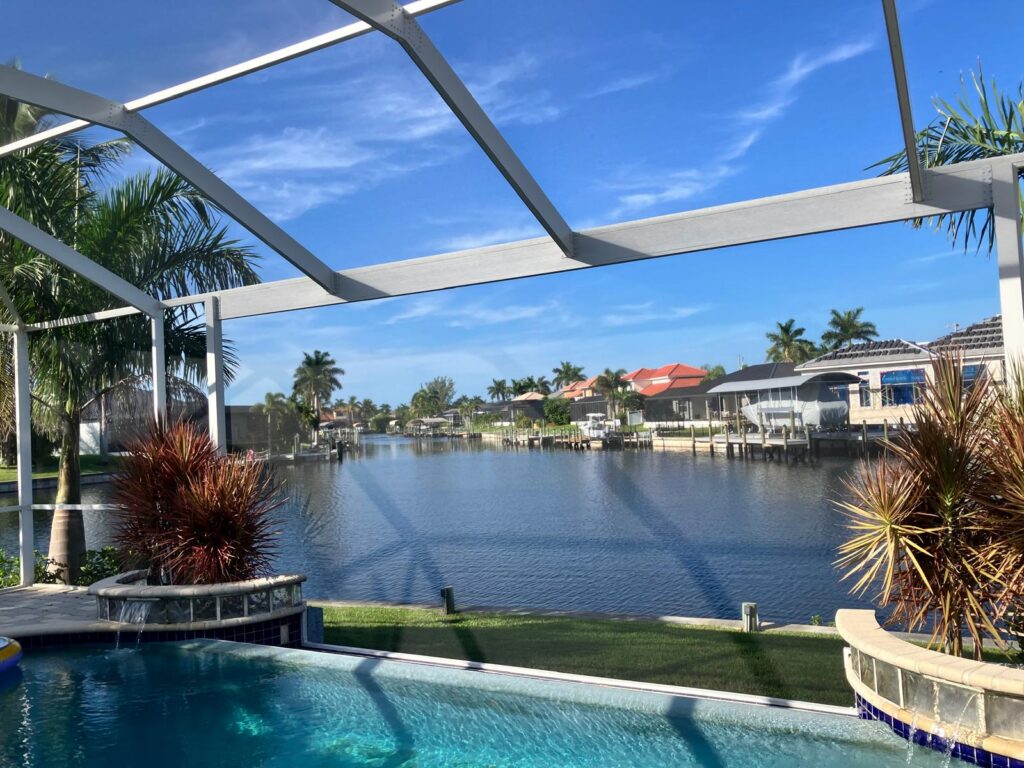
638,532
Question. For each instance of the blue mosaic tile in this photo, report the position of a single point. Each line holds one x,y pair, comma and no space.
963,752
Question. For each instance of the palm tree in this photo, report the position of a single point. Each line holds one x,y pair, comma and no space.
352,405
962,132
610,383
434,396
315,381
367,409
566,373
523,385
542,385
152,229
274,405
498,390
788,344
847,327
713,371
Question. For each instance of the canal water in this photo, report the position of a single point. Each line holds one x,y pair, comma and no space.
645,532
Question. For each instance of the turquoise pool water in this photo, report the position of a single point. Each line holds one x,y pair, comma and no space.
210,703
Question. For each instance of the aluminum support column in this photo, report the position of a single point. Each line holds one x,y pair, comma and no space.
159,370
899,70
23,428
1010,257
215,375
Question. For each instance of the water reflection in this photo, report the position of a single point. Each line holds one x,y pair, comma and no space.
637,532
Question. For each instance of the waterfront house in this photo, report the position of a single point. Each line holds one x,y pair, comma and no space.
111,421
671,405
652,381
506,412
890,374
776,395
578,389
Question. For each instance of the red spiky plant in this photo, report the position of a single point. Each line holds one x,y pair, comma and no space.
194,516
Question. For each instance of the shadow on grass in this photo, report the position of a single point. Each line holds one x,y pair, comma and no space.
688,554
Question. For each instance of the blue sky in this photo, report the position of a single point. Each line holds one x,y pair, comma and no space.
618,114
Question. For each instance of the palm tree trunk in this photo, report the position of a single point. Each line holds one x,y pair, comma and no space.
67,531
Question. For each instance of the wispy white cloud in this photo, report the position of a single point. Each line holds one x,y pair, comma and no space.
359,131
781,92
648,191
674,185
931,258
440,309
500,234
647,313
627,83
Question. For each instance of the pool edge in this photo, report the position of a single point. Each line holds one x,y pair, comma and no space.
607,682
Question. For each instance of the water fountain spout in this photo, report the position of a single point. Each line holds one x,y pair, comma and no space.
135,611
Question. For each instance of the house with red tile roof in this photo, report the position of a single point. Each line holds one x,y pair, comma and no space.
654,381
578,389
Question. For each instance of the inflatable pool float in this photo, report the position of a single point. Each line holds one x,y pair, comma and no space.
10,654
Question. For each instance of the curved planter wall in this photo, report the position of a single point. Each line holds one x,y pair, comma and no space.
975,710
126,598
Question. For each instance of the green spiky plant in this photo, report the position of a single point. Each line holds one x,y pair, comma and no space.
984,122
929,524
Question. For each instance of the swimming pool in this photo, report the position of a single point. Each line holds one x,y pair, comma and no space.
213,703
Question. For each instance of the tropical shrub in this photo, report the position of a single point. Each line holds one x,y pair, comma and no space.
96,564
195,516
557,410
938,525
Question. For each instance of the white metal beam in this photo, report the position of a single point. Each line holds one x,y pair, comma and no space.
398,24
1010,258
960,187
92,317
965,186
348,32
23,431
159,372
33,89
899,69
215,375
34,237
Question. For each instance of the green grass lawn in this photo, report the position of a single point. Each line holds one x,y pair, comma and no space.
804,667
91,464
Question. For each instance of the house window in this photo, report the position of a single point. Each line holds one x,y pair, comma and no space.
971,374
864,389
902,387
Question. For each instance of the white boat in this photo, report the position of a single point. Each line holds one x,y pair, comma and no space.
595,427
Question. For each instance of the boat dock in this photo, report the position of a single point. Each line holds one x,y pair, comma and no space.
786,445
572,439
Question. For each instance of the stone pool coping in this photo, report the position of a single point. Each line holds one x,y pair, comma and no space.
117,587
862,631
606,682
986,683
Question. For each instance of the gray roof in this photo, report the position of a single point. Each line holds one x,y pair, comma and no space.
779,382
986,336
863,352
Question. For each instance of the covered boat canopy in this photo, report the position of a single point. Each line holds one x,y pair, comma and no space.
782,382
